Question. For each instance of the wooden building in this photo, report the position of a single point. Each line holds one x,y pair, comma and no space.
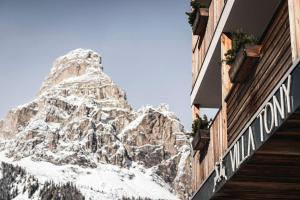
252,148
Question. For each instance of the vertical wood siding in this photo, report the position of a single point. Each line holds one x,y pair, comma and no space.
244,99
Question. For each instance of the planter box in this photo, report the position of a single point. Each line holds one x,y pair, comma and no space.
200,22
244,62
201,139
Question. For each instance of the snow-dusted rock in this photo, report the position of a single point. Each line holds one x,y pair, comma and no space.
81,118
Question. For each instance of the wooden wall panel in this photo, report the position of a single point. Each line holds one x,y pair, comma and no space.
244,99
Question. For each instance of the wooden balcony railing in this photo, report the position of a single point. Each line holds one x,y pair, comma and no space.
200,49
204,161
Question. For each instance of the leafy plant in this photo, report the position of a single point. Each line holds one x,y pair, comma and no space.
200,123
239,40
196,5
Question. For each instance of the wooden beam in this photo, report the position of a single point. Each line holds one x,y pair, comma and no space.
294,19
195,59
226,86
195,111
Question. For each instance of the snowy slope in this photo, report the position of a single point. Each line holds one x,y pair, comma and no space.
104,182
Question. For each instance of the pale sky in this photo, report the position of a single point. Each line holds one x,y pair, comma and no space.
145,47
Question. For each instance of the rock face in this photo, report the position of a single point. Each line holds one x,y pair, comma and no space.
80,117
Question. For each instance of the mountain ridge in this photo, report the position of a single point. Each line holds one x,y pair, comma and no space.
82,118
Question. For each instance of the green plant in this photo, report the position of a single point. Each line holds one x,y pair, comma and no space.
200,123
239,40
196,5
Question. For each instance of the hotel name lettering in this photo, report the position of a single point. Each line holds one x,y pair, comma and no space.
270,117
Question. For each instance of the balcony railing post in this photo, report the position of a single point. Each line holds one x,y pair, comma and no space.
294,19
226,86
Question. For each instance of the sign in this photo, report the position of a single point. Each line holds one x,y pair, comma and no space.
280,104
273,113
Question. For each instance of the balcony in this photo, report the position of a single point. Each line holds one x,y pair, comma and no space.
207,56
244,98
201,43
205,157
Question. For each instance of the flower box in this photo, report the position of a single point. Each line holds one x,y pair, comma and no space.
200,23
201,139
245,60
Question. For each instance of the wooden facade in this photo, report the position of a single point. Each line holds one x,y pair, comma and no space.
244,99
240,101
267,165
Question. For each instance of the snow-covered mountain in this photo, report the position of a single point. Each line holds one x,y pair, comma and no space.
81,129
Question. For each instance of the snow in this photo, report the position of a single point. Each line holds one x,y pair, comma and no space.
162,108
132,125
104,182
37,124
22,106
85,78
89,60
185,153
78,55
24,196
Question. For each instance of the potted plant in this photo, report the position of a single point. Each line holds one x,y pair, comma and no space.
198,18
243,55
200,132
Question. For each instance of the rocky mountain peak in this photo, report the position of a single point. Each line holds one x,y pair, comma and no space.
81,120
75,64
80,73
